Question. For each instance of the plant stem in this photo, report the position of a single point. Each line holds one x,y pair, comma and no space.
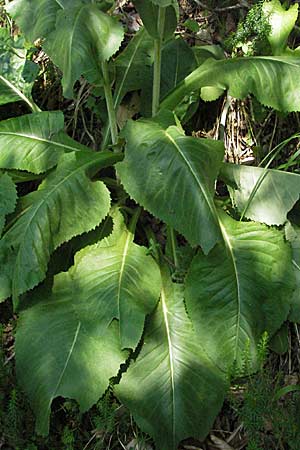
109,104
157,61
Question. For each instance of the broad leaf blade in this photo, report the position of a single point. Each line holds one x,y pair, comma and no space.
59,353
36,18
263,195
34,142
66,204
173,177
148,11
172,389
90,37
240,290
272,80
118,280
8,198
178,61
134,65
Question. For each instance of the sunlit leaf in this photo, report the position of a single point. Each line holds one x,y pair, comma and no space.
172,389
240,290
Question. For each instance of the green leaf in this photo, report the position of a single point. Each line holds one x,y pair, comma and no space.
117,280
274,81
36,18
282,22
240,290
8,198
61,353
292,234
133,66
192,25
90,37
178,61
280,341
148,12
172,389
204,52
14,86
66,204
173,177
34,142
263,195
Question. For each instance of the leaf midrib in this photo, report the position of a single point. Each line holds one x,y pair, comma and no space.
195,177
121,274
39,139
53,395
227,242
171,363
118,92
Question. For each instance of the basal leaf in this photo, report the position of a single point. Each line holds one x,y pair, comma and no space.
60,353
263,195
172,389
34,142
240,290
173,177
272,80
115,279
66,204
90,36
8,198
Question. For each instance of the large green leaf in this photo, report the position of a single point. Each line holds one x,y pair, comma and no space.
274,81
172,389
263,195
36,18
66,204
8,198
89,37
115,278
173,177
149,12
240,290
34,142
14,85
61,353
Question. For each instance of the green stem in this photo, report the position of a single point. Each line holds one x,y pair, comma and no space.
157,61
109,104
